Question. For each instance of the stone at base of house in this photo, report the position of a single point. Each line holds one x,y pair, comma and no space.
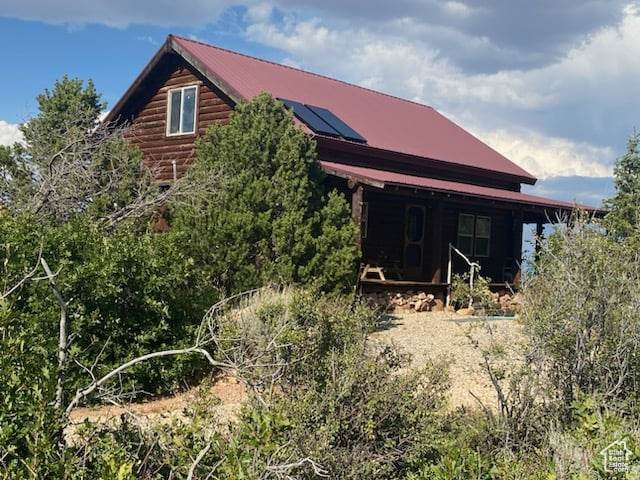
406,301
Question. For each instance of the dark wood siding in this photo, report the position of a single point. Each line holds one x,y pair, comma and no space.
386,236
149,119
501,252
419,167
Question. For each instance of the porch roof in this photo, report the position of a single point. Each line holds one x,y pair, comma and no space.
383,178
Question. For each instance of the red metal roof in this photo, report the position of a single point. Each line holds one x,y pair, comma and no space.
387,122
382,178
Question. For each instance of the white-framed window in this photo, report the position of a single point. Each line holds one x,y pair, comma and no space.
474,234
182,109
364,221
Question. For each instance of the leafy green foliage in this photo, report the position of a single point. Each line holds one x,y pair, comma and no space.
132,292
15,176
129,294
581,311
29,426
337,406
624,218
69,109
70,164
462,294
272,221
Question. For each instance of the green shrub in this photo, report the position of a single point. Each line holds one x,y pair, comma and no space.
272,222
341,402
326,401
479,296
29,425
581,313
129,294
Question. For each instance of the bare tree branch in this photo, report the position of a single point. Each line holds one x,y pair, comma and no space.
62,334
199,457
80,394
24,279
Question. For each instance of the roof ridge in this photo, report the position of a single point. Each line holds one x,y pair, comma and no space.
320,75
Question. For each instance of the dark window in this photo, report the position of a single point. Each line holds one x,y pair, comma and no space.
413,255
414,236
465,233
415,224
482,237
474,235
174,109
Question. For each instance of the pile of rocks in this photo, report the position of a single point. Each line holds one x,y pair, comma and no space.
507,302
406,301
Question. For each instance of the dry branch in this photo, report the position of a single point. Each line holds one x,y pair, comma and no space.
82,393
62,337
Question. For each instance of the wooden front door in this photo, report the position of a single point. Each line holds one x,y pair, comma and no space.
414,241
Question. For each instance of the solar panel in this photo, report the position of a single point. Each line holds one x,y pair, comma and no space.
342,128
313,121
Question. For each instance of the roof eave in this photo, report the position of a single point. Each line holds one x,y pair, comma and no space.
547,206
348,146
114,113
171,45
209,74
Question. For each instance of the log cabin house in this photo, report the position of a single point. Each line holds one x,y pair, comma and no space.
417,182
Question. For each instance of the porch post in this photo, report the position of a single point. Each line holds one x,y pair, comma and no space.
539,232
356,207
517,245
435,247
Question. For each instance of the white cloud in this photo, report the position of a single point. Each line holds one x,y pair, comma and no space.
464,57
117,13
9,133
601,67
545,156
559,119
458,8
611,56
260,12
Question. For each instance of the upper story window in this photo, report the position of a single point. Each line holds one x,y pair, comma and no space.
181,110
474,235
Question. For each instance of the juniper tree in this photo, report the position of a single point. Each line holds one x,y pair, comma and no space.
624,218
272,220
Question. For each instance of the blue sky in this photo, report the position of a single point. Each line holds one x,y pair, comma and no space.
552,85
112,57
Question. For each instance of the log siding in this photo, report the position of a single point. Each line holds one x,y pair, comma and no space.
148,122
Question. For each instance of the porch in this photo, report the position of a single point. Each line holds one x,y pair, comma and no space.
405,237
407,224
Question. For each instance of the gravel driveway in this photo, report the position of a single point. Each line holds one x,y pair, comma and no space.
432,335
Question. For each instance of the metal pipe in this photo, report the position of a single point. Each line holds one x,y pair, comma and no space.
473,268
448,300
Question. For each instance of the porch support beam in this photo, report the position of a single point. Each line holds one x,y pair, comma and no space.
539,232
435,246
357,190
517,245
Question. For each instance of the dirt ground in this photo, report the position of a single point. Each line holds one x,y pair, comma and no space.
424,336
432,335
228,390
